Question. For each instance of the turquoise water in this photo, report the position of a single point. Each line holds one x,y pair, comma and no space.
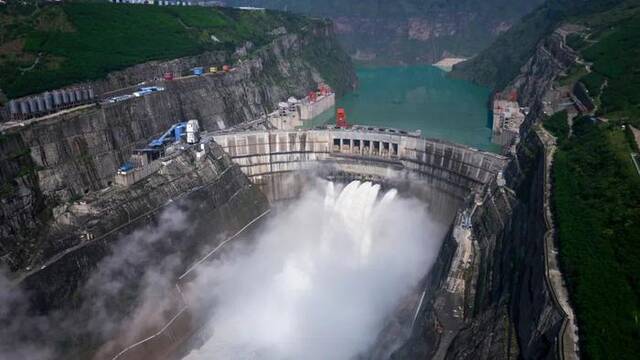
420,97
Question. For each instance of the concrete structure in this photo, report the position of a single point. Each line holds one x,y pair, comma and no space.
267,157
292,113
131,177
309,109
507,118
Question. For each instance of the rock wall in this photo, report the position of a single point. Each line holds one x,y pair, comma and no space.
76,153
217,198
490,294
408,31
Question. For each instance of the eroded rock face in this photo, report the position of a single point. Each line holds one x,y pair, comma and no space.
76,153
408,31
505,308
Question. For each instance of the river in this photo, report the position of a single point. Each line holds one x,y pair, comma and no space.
420,97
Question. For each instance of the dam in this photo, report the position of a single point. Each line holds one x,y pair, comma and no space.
272,158
453,179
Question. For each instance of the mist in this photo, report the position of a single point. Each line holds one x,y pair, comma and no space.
320,280
126,294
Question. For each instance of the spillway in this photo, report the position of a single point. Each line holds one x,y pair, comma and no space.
323,278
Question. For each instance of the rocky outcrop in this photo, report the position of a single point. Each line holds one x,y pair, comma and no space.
78,152
213,193
409,31
100,257
493,291
535,81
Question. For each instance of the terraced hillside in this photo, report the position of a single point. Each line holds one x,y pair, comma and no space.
49,46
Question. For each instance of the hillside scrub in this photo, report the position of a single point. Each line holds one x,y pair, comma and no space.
558,126
94,39
596,196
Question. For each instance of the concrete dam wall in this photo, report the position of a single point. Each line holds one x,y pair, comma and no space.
277,160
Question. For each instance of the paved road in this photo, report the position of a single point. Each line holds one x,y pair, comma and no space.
568,341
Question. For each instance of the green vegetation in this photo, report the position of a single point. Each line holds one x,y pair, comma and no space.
615,58
593,82
423,30
573,74
57,45
596,197
576,41
500,63
558,126
596,186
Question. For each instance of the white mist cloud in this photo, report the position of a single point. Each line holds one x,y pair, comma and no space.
321,279
133,271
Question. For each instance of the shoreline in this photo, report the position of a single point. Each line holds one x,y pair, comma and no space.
447,63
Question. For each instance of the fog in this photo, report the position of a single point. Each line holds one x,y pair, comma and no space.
126,294
321,279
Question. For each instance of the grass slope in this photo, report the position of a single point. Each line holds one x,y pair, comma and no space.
83,41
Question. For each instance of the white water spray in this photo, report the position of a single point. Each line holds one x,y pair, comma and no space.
322,278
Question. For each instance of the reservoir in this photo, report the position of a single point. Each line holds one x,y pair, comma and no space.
420,97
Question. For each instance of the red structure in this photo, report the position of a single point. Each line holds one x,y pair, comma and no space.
226,68
325,90
313,96
168,76
513,96
341,118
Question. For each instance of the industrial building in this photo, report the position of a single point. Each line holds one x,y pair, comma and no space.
292,113
146,161
507,118
48,102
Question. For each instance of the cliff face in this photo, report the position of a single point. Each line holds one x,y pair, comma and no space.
491,293
408,31
60,159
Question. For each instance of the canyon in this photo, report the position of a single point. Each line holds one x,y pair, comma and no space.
377,32
489,294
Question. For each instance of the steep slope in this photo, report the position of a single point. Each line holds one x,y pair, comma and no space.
65,228
501,61
586,55
52,45
60,158
409,31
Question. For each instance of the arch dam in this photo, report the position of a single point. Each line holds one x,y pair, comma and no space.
442,173
453,179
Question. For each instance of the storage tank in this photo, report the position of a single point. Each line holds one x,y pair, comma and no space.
65,97
14,107
48,101
33,105
78,93
57,98
72,96
24,107
40,104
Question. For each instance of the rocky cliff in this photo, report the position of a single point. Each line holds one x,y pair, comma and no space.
493,293
409,31
57,160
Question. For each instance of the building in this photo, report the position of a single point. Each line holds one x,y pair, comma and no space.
507,118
